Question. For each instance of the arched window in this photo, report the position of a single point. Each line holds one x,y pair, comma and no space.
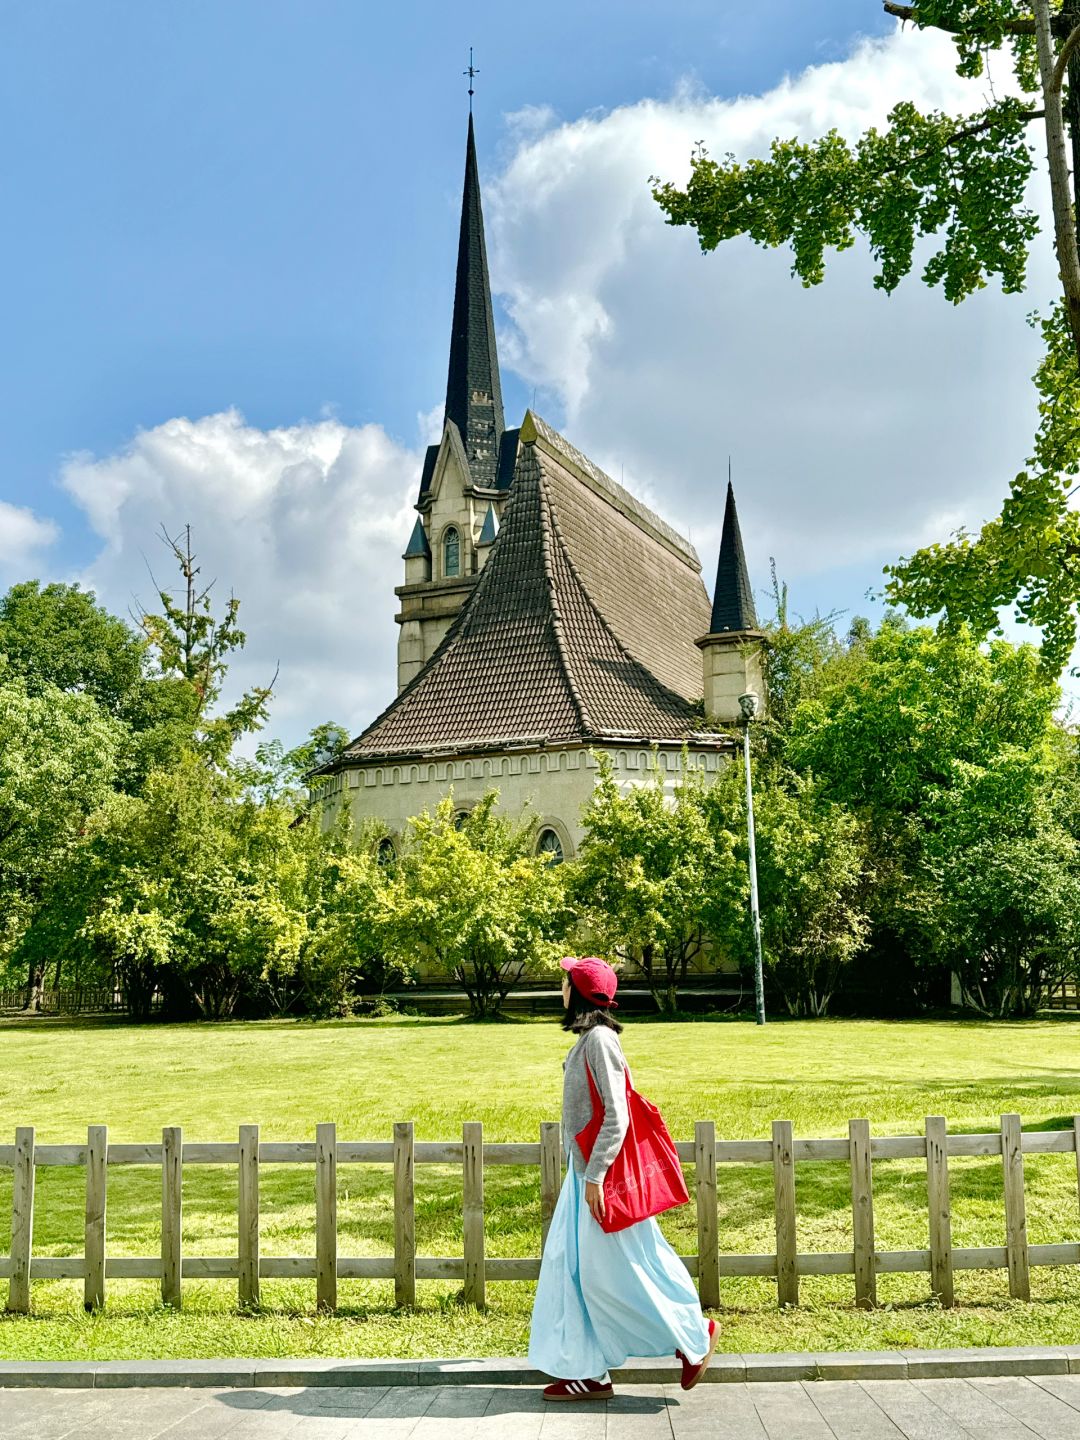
460,816
386,853
452,551
549,845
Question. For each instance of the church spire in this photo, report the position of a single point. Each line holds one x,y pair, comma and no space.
733,600
473,392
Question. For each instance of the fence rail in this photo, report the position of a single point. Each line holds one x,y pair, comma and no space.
70,1000
474,1268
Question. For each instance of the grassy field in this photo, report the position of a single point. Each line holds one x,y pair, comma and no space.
438,1072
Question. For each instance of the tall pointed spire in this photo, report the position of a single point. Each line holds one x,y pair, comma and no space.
733,599
473,392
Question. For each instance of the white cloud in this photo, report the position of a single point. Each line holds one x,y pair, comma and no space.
306,524
861,425
23,535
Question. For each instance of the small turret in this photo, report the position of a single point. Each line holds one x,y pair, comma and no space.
417,555
731,652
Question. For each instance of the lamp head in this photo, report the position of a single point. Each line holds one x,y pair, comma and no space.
748,704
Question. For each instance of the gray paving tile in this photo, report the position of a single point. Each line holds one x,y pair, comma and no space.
1034,1407
850,1412
1065,1387
717,1412
584,1421
976,1412
786,1410
913,1411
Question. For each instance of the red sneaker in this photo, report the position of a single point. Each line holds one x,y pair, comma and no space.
579,1390
691,1374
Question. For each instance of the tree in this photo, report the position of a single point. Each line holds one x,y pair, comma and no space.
939,747
58,636
474,897
287,774
58,756
651,875
963,179
1011,907
812,881
193,645
189,889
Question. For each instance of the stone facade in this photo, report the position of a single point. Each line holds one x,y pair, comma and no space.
553,785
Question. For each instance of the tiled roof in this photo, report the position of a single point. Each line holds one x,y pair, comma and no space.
733,599
534,654
644,577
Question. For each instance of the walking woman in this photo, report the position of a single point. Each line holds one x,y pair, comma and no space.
602,1297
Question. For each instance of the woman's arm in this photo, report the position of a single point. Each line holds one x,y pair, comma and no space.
604,1057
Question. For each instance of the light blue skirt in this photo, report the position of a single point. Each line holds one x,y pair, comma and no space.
601,1298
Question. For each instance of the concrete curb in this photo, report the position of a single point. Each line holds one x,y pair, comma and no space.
257,1374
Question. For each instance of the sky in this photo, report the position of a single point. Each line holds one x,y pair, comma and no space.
229,248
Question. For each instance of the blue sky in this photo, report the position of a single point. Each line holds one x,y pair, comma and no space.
252,203
229,249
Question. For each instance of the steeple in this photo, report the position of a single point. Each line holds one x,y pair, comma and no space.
731,652
733,600
473,392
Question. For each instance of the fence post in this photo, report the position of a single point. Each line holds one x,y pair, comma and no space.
472,1211
22,1221
1016,1245
326,1217
940,1207
787,1266
551,1175
707,1227
172,1213
862,1213
404,1216
97,1161
248,1215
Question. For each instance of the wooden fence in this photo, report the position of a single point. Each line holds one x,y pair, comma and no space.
864,1262
70,1000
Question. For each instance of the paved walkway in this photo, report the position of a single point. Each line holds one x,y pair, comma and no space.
1005,1408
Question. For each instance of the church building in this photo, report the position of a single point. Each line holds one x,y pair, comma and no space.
546,615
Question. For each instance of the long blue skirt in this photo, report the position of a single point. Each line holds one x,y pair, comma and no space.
601,1298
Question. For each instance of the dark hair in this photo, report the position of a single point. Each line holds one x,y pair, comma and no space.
582,1014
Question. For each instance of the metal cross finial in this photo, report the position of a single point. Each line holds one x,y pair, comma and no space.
472,73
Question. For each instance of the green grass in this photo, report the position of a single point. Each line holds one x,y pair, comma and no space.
366,1074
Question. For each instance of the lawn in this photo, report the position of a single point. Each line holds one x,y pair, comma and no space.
60,1076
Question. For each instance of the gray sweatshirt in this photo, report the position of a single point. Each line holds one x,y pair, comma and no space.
600,1045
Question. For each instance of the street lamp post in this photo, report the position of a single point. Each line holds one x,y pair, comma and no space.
748,704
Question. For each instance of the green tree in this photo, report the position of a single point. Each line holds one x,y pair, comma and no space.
938,746
58,636
473,897
1011,906
964,180
288,774
189,889
193,645
58,757
651,876
812,883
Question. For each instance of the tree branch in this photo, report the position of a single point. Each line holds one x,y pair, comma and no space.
1065,54
910,12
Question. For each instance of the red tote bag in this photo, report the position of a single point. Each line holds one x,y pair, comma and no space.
645,1178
